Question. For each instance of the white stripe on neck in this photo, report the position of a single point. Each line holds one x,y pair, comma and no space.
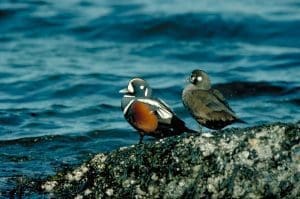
127,106
146,92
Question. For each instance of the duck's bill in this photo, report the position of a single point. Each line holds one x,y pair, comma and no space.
124,90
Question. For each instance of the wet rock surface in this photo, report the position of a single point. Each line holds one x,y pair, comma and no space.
262,161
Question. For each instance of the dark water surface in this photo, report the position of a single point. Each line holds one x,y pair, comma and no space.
63,62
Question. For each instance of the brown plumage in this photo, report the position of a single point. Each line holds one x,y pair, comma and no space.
208,106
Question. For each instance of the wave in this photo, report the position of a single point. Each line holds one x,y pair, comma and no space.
128,24
58,86
295,101
104,135
241,89
187,27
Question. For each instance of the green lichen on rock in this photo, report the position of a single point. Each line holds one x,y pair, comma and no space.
254,162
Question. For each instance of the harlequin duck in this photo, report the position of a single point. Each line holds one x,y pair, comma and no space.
150,116
207,105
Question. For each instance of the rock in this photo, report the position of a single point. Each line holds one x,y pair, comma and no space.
255,162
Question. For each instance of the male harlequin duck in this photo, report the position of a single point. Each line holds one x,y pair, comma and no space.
150,116
207,105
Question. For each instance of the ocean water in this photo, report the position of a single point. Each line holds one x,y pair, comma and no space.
62,64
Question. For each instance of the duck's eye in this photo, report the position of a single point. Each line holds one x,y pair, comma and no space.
199,78
142,87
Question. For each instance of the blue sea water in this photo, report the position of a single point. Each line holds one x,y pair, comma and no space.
62,64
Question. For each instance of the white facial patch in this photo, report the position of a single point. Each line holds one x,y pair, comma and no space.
130,87
192,79
199,79
142,87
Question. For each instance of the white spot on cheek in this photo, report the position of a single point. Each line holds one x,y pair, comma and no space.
142,87
192,79
199,79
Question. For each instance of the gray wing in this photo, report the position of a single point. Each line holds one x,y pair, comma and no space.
221,99
205,106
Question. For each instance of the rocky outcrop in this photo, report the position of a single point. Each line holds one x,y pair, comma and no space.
255,162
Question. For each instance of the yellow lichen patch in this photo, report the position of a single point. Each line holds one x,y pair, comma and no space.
253,142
